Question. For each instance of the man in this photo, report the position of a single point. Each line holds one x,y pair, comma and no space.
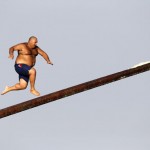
24,63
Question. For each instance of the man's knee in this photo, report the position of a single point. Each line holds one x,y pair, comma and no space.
32,71
23,86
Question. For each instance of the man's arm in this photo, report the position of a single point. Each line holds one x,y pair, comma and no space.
44,55
12,49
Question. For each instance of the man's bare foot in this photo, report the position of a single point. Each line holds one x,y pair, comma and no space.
34,92
5,90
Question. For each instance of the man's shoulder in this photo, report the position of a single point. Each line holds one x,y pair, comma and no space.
18,46
22,44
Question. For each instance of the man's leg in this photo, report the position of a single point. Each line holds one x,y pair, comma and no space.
19,86
32,77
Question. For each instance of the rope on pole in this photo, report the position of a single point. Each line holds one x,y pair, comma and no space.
72,90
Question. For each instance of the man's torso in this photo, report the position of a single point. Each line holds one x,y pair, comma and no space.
26,55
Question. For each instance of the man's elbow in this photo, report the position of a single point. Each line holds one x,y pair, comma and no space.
11,49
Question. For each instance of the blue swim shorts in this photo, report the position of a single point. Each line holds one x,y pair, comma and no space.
23,71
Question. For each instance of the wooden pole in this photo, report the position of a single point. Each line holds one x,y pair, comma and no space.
72,90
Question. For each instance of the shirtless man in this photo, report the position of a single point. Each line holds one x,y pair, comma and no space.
24,63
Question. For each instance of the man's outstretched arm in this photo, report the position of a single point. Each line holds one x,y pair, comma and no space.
45,56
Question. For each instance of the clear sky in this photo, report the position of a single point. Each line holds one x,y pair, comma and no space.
85,39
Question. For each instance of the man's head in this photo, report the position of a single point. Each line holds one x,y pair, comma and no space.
32,41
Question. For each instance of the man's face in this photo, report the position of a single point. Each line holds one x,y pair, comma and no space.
33,42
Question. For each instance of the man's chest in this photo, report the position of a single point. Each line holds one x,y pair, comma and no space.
28,51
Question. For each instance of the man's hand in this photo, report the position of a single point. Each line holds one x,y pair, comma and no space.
49,62
11,56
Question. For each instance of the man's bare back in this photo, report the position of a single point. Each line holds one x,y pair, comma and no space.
24,63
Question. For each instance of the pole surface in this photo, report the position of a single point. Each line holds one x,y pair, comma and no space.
72,90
